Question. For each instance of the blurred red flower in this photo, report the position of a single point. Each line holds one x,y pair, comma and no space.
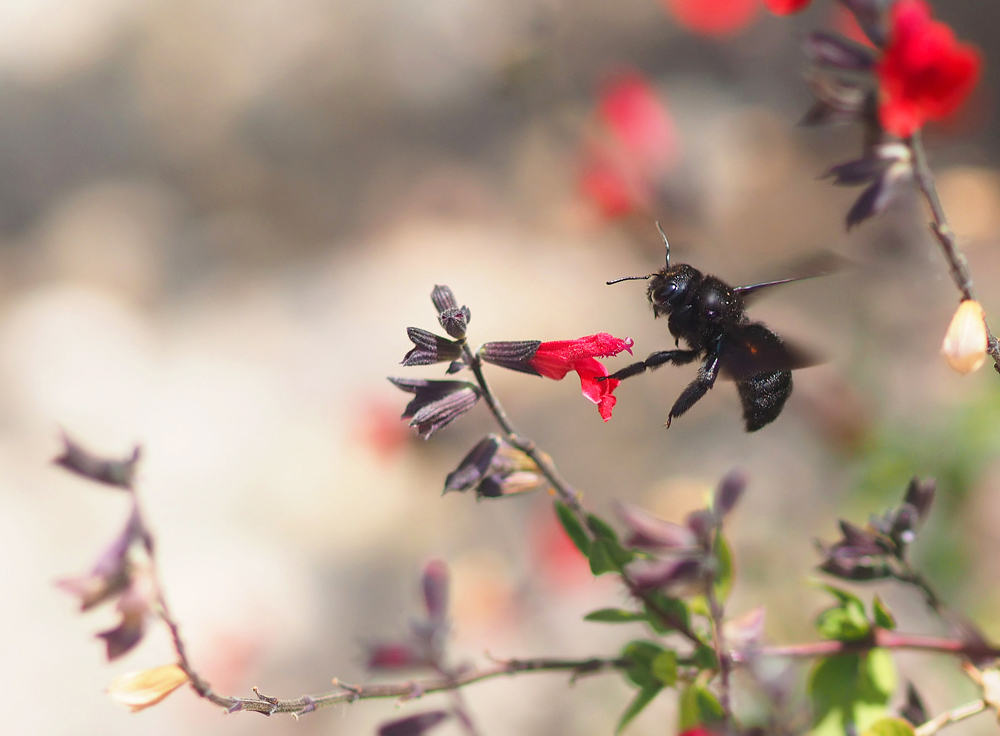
712,17
925,73
698,731
786,7
556,359
640,145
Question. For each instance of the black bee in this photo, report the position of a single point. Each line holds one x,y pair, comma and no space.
708,314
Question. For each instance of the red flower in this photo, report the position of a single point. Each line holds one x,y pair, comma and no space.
556,359
786,7
637,146
925,73
712,17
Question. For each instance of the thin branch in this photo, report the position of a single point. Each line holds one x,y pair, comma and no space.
952,716
957,264
411,689
721,650
879,639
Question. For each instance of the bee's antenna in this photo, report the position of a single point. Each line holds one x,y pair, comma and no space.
665,241
629,278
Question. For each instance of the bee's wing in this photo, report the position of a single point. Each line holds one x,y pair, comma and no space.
823,263
752,348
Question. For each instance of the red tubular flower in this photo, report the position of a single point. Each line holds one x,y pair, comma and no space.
556,359
713,18
925,73
786,7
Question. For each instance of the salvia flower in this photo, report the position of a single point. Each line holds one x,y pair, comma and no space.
437,403
925,73
555,359
966,341
885,168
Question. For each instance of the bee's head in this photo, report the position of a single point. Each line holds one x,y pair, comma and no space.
671,287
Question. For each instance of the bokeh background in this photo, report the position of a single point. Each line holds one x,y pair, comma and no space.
218,217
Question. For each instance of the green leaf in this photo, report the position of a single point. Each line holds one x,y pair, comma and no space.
850,689
847,623
843,596
698,707
664,667
704,658
640,701
615,616
641,654
674,607
890,727
603,531
574,529
883,616
600,558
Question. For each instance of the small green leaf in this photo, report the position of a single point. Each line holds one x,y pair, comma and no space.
640,701
883,616
574,529
850,690
600,558
641,654
615,616
664,667
890,727
704,658
698,707
881,672
848,623
673,607
840,594
600,528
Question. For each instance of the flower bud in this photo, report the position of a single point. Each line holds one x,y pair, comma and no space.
139,690
965,342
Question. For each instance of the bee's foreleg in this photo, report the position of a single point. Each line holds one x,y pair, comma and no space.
677,357
707,374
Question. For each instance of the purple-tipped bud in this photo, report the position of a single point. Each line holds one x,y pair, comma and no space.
118,473
649,532
702,523
913,710
920,495
435,585
430,348
437,403
474,465
665,573
454,319
728,493
413,725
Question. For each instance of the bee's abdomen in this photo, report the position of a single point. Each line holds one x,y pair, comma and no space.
763,396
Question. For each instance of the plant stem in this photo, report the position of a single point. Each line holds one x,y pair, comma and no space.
879,639
957,264
952,716
719,640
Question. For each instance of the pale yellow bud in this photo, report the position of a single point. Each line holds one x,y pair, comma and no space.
139,690
965,343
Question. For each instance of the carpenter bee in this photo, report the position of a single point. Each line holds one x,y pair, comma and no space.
709,315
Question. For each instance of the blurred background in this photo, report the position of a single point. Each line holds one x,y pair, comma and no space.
217,218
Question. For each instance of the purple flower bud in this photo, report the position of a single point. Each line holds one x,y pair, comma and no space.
435,585
832,49
665,573
728,493
118,473
454,319
413,725
652,533
920,495
474,465
702,522
514,356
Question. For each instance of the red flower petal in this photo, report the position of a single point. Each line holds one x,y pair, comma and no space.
786,7
556,359
712,17
634,113
925,73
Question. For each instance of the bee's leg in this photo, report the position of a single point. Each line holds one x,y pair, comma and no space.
677,357
707,374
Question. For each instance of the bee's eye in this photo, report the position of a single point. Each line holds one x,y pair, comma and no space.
666,293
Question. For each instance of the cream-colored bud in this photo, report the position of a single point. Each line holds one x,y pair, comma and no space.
965,343
139,690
